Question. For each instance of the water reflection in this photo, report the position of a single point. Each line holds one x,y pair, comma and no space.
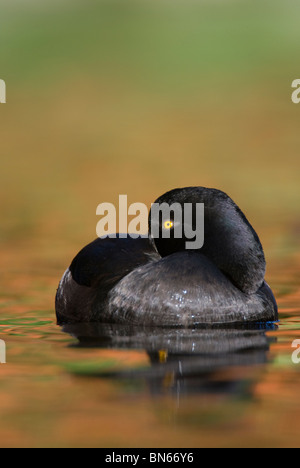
211,360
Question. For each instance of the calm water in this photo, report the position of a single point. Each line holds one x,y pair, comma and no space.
113,387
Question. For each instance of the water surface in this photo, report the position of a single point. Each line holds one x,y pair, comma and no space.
110,386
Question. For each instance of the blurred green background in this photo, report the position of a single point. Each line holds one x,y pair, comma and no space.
138,97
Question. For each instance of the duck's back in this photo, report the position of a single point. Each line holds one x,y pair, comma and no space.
126,281
95,271
185,289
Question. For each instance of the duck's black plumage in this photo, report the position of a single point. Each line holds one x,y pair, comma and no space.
148,281
94,272
110,260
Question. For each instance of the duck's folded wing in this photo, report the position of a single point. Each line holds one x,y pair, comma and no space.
95,271
184,289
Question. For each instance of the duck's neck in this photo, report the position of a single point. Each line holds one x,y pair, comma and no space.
229,239
233,245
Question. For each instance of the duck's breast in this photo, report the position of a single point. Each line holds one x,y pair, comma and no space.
183,289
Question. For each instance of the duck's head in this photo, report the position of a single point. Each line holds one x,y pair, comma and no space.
208,221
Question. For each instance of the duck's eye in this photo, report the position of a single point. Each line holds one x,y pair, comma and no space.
168,224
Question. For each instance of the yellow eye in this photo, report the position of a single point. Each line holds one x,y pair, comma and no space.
168,224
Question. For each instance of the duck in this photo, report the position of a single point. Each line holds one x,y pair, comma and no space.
155,280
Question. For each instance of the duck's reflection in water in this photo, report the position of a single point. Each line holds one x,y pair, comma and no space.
185,361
